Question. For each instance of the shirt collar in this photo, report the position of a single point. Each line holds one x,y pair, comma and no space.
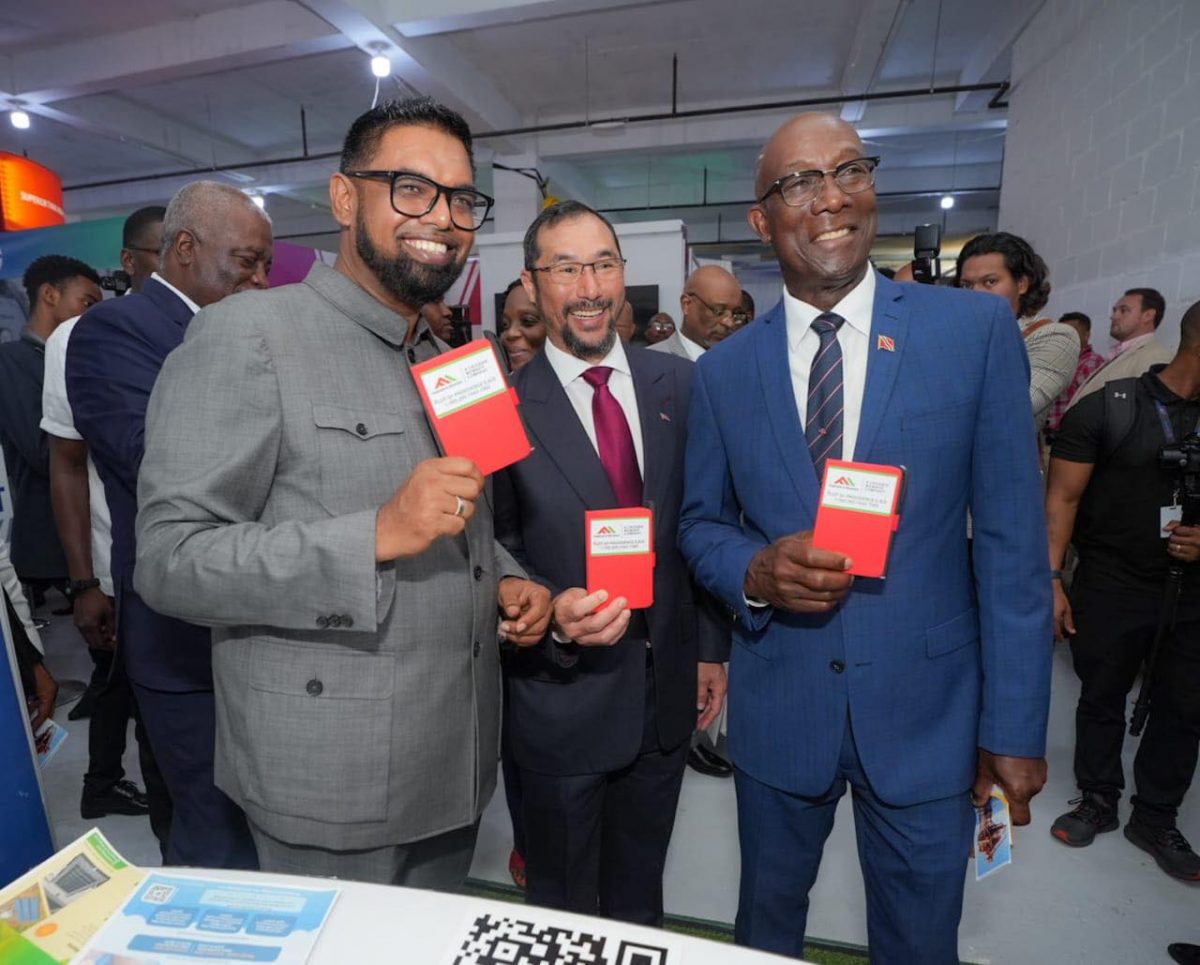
180,295
1122,347
693,349
856,307
33,338
569,367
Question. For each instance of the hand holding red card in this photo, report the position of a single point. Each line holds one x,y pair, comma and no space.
857,513
471,406
620,554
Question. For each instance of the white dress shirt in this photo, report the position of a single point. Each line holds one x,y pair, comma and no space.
570,369
693,349
1120,348
182,297
58,420
854,338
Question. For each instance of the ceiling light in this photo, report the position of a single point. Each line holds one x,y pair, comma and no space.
381,66
20,120
259,199
947,202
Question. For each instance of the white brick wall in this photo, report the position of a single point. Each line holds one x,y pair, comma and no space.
1102,158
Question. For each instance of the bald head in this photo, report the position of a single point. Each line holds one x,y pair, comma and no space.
710,297
215,241
821,227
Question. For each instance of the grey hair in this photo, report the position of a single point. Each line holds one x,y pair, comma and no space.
199,203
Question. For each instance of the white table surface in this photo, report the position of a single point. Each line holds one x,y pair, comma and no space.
379,923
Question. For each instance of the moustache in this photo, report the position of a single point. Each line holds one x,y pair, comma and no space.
588,305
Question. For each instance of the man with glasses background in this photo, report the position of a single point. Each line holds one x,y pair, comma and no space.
711,306
921,690
294,499
601,709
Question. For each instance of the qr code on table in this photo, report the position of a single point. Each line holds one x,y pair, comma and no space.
159,894
494,940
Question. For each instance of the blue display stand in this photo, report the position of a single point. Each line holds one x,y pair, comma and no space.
25,838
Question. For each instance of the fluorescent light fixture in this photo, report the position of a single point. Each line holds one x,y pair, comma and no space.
20,120
381,66
947,202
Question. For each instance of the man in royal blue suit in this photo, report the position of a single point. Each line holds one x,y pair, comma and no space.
920,691
215,242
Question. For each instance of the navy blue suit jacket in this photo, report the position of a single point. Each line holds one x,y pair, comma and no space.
938,658
584,715
113,360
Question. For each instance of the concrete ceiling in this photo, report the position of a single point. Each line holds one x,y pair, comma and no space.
130,100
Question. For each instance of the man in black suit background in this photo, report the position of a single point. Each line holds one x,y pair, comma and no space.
602,708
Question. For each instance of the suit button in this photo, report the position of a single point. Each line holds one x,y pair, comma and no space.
314,688
476,648
347,620
361,429
335,621
836,666
478,573
322,622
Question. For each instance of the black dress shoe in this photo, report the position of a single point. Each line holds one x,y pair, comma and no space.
124,797
701,759
1184,953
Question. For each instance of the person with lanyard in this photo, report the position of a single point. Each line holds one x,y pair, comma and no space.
1110,494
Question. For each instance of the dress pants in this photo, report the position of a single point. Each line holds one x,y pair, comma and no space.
914,864
439,863
1114,633
207,829
597,843
512,778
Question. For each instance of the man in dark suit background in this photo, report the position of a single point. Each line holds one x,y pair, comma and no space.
215,242
602,708
59,288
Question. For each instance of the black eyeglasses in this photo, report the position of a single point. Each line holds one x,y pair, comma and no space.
148,251
736,315
414,196
569,272
800,187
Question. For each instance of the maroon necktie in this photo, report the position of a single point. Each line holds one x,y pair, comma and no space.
614,440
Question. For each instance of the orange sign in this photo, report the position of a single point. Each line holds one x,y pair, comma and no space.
30,195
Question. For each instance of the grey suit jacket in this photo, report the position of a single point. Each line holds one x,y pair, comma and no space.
672,346
358,704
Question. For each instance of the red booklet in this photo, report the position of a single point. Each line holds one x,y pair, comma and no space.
620,554
859,512
471,406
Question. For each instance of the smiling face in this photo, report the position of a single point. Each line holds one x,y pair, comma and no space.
581,316
521,328
406,261
822,245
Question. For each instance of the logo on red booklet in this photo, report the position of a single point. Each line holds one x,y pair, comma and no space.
844,481
606,531
444,381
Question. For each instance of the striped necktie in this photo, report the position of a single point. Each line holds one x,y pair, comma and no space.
824,409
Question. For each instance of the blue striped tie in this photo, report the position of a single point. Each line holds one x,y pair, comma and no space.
823,412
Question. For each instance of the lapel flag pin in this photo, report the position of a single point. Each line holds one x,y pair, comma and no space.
885,342
664,417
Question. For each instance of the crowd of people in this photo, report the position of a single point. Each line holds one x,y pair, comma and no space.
328,634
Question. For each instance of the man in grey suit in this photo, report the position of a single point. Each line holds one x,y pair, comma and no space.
354,643
711,304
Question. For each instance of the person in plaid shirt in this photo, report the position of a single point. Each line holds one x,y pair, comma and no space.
1089,362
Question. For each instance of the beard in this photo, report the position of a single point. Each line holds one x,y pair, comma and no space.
409,281
583,349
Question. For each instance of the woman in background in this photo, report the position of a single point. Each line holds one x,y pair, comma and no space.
522,331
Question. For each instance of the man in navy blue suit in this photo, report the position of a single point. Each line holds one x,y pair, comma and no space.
920,691
215,242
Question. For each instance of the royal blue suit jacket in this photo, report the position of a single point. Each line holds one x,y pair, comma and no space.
113,360
943,655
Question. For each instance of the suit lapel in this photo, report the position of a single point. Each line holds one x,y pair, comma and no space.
557,431
779,401
167,302
889,320
655,391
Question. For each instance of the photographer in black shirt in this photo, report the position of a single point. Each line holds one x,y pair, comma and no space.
1110,495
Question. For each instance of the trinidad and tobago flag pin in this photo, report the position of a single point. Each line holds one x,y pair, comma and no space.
885,342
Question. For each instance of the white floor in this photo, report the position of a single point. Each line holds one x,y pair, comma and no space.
1107,903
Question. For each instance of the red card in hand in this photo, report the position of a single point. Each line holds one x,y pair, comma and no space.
471,406
857,514
620,554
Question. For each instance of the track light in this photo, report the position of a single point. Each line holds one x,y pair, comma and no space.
20,120
381,66
947,202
